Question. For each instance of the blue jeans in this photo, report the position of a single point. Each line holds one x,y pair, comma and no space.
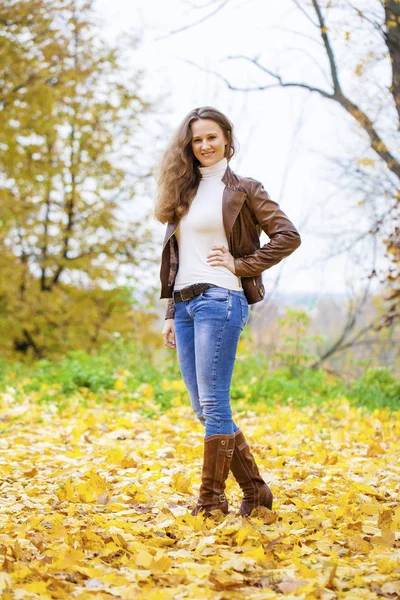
207,332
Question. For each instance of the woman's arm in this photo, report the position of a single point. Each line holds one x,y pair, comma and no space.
284,237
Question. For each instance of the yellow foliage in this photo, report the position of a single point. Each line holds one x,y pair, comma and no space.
366,162
119,385
112,516
181,483
359,70
177,385
146,390
64,246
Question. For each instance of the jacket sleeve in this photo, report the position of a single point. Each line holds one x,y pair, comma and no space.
284,237
170,312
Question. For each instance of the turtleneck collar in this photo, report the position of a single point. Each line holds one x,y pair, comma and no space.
216,170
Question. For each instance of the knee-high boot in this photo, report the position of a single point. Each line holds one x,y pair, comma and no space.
244,468
218,452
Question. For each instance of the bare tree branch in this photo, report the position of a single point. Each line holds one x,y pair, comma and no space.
341,344
328,47
338,95
299,34
281,83
198,22
305,13
377,26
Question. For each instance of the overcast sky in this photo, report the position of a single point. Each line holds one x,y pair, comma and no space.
285,135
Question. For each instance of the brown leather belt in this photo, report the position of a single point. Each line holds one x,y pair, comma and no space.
191,291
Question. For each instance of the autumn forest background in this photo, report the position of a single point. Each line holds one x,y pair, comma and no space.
84,373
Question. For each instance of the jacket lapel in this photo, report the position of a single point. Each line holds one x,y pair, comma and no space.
169,231
232,201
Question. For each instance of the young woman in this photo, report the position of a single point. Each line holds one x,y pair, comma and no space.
211,268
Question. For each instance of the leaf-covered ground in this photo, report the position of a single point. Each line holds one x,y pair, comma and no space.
96,500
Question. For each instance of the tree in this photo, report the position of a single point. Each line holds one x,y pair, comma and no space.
393,248
69,111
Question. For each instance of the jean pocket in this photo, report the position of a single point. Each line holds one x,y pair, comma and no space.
245,311
216,293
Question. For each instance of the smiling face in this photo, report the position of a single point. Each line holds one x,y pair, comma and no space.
208,141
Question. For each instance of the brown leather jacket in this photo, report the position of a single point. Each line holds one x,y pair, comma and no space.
246,210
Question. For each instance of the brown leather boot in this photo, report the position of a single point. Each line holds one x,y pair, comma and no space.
243,466
218,452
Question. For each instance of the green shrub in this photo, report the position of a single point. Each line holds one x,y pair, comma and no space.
254,379
376,388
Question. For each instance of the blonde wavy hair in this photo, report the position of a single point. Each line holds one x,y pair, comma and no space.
178,174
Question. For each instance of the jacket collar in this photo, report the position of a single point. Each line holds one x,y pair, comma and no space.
230,178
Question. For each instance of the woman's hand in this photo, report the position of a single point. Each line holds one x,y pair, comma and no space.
169,333
220,256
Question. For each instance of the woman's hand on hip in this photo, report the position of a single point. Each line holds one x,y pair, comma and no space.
219,256
169,333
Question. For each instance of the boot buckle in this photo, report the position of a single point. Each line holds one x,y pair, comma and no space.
229,453
222,497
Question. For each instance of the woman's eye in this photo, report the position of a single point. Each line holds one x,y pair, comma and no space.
212,137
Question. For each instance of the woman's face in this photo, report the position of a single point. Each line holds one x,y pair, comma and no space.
208,141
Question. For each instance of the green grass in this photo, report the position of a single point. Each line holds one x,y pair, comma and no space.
252,379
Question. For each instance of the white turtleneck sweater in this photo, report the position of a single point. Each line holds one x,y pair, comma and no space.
201,229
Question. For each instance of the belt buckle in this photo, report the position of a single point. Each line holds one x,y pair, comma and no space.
188,290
